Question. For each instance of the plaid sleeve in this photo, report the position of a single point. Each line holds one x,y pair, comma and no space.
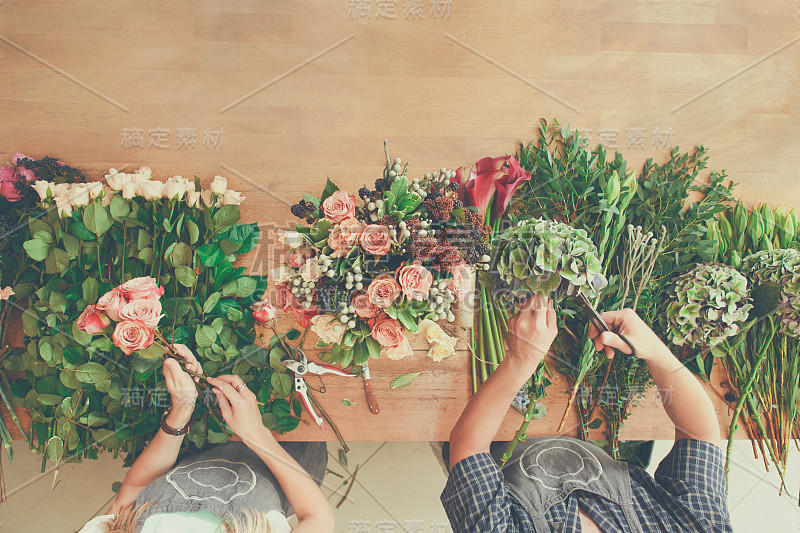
694,473
476,498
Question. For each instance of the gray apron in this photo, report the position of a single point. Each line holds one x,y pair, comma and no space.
544,471
226,479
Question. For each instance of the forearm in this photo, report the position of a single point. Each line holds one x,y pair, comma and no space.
303,493
684,399
154,461
478,424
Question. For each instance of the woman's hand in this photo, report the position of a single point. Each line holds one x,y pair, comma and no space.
181,386
627,322
239,407
533,329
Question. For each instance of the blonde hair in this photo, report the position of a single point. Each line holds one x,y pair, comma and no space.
251,521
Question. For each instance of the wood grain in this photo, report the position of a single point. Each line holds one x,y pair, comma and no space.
327,89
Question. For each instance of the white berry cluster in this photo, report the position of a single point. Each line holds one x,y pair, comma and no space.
440,301
302,290
439,179
419,189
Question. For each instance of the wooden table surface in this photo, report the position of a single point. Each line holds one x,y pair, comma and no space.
277,96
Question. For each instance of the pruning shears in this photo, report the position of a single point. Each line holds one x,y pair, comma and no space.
597,320
302,367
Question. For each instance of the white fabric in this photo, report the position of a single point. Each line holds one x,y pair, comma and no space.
99,524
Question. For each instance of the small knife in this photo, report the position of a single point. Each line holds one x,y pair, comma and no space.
372,402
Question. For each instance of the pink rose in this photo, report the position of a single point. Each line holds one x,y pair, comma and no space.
8,184
93,321
17,157
461,283
339,206
344,236
138,288
364,307
148,312
297,256
304,316
25,173
264,311
132,335
111,302
376,240
284,298
383,291
388,332
415,280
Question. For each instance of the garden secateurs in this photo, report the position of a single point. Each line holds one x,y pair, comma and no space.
302,367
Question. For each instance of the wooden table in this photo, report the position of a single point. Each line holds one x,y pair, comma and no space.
427,409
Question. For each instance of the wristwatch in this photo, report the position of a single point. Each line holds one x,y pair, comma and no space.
173,431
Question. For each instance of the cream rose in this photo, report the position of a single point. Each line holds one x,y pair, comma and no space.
95,189
175,188
138,288
292,239
376,240
438,352
328,328
415,280
130,336
339,206
387,331
42,188
150,189
116,180
232,197
433,333
364,307
296,257
400,351
148,312
129,190
63,206
193,199
79,195
219,185
111,302
383,291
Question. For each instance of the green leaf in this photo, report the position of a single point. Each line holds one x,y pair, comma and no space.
182,254
186,276
55,448
281,384
193,230
227,216
211,302
330,188
176,308
58,302
90,290
36,249
205,336
347,403
152,352
241,288
343,457
91,372
71,244
373,347
594,424
404,380
210,255
49,399
95,218
293,334
144,365
119,207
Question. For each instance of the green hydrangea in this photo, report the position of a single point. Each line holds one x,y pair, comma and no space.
541,256
706,305
782,267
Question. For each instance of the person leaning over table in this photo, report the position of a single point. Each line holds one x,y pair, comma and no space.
564,484
239,486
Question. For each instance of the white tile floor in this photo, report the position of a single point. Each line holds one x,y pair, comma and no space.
397,489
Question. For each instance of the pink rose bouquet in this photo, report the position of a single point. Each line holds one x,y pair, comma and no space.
374,266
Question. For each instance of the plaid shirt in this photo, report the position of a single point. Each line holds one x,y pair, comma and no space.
687,495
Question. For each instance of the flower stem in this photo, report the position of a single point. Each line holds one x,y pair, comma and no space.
744,393
522,432
325,415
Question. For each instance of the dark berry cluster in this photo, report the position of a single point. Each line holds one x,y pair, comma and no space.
364,193
454,186
303,209
381,185
330,295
